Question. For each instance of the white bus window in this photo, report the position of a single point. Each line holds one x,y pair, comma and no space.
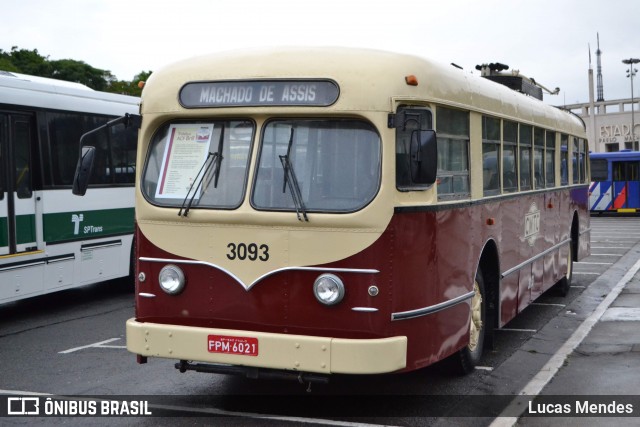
115,158
21,136
123,153
336,164
452,127
4,128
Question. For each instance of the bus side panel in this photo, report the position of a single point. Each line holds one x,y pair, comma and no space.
580,204
436,253
434,258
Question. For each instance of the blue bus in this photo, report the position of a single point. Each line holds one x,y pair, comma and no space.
615,182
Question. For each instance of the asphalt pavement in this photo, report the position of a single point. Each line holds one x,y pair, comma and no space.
594,377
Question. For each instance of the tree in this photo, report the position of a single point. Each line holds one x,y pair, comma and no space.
31,62
28,62
130,88
80,72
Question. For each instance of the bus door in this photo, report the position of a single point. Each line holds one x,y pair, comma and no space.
626,185
17,199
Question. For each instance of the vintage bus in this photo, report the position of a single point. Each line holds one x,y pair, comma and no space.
306,212
615,182
49,239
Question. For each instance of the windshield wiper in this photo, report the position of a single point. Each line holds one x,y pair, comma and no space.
213,160
294,187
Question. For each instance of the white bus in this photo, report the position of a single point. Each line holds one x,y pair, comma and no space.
49,239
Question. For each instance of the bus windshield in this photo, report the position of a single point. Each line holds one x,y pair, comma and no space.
201,164
336,164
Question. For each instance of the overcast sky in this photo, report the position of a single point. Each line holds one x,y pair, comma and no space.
545,39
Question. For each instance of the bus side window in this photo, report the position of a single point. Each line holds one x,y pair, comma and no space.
599,170
21,142
490,155
564,159
410,119
509,165
524,157
4,128
123,149
583,160
538,157
453,153
550,159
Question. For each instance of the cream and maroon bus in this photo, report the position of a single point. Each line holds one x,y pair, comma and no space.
306,212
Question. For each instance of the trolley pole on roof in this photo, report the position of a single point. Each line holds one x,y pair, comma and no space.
630,73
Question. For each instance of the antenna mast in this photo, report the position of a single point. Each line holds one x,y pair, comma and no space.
599,75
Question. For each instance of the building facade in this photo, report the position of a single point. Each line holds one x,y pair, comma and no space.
609,123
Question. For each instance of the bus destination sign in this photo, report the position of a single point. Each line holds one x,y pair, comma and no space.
256,93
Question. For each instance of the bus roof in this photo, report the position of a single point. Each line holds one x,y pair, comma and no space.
368,80
617,155
41,92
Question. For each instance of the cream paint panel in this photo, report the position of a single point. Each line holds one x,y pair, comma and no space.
287,247
276,351
475,156
368,356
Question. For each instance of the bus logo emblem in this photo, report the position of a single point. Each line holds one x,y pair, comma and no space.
76,220
532,224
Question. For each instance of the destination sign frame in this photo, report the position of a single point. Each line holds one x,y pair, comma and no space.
259,93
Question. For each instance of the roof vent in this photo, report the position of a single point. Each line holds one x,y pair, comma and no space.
513,80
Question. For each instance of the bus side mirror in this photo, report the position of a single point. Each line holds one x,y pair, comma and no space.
424,157
83,171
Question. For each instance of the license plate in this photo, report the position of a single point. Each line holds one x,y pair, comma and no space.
245,346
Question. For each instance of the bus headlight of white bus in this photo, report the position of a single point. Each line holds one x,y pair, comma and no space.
328,289
171,279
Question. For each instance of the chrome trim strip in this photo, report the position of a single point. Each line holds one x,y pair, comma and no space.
146,295
585,231
67,258
106,245
535,258
403,315
247,287
364,309
23,265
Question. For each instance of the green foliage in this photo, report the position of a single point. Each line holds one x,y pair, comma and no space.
33,63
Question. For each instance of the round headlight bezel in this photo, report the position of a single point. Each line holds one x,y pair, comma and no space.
171,279
328,283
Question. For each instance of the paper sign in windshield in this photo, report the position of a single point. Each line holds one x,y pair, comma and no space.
184,155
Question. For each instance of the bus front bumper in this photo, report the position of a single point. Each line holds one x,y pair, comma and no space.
273,351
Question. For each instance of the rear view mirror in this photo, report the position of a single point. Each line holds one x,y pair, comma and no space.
83,171
424,157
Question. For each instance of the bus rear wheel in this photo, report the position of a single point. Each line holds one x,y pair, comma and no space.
564,284
469,357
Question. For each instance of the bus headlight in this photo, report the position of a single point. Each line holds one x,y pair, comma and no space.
328,289
171,279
